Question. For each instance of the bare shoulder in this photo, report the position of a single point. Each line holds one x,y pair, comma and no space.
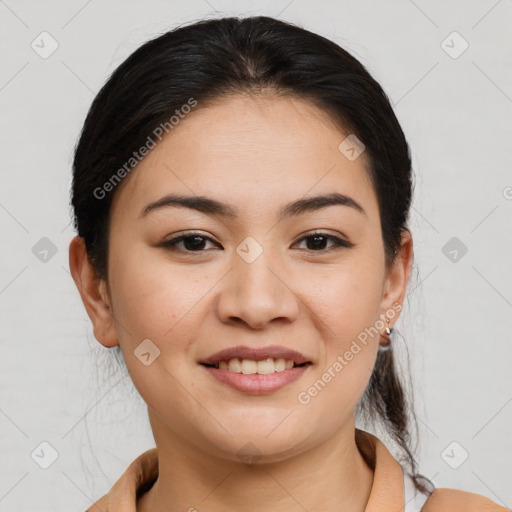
454,500
99,506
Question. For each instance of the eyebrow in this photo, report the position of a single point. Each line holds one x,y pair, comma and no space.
213,207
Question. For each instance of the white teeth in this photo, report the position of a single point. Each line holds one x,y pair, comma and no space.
249,366
266,366
235,365
280,365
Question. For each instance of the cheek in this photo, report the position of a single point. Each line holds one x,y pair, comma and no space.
154,299
345,307
346,300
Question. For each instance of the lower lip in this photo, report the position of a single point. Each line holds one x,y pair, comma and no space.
255,383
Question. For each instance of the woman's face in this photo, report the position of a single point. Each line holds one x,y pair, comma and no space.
252,279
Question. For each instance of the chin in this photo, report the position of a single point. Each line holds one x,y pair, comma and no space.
258,447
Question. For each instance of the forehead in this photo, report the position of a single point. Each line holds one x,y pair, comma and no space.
252,151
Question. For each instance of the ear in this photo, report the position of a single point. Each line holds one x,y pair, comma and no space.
93,292
396,280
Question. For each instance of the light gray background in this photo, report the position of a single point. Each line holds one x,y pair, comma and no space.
59,385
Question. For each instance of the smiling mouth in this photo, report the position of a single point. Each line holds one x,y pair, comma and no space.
262,367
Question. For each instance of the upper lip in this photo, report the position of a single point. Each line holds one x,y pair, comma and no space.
256,354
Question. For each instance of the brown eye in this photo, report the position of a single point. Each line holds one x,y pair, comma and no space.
317,242
191,243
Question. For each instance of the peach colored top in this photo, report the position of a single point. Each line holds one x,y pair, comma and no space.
387,492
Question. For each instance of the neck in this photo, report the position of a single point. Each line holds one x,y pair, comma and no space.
331,476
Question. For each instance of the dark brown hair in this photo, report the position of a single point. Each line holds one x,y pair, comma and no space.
208,59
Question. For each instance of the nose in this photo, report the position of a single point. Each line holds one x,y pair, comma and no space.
257,293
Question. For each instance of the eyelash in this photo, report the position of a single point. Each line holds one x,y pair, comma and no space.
171,244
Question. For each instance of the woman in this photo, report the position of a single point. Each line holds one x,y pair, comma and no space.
241,192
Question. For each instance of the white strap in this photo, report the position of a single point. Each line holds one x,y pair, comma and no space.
413,498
